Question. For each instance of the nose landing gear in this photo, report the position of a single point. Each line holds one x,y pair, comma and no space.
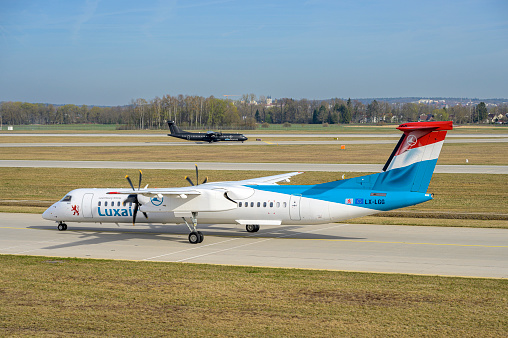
62,226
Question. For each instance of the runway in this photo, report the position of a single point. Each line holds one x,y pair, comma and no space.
289,167
371,248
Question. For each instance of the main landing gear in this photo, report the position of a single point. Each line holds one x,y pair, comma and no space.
195,236
62,226
252,227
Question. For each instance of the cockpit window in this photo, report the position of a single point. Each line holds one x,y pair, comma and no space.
67,198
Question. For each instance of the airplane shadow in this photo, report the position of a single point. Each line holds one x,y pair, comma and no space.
96,235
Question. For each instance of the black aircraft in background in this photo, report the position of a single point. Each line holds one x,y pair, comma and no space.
209,136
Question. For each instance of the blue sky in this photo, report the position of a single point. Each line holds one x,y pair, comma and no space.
111,52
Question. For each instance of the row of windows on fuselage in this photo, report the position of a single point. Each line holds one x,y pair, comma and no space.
265,204
112,204
240,204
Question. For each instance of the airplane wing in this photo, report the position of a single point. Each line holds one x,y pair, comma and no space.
270,180
183,193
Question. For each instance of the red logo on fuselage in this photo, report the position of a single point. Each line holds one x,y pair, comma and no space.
75,210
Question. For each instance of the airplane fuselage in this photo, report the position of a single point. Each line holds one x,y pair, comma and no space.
205,137
252,205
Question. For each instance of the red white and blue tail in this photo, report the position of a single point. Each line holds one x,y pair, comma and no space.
413,160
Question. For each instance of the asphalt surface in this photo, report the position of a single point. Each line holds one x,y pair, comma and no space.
250,136
289,167
371,248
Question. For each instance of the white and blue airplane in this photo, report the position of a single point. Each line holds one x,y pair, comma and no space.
261,202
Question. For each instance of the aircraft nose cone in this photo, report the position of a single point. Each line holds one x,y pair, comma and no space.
49,213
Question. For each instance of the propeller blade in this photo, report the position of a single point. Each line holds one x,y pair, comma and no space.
135,212
206,180
189,180
131,198
130,182
197,174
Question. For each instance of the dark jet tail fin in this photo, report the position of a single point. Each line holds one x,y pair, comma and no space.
173,128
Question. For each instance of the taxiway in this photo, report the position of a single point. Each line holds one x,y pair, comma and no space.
335,246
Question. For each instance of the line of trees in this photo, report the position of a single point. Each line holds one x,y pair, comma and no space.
196,112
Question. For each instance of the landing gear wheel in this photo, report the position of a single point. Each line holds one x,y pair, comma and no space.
252,227
62,227
194,238
201,236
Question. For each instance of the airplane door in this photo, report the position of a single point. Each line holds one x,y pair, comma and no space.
294,207
86,206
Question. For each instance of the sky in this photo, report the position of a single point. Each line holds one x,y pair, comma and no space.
110,52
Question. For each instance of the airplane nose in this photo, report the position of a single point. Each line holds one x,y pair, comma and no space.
49,213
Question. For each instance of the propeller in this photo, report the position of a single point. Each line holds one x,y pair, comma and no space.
133,198
197,177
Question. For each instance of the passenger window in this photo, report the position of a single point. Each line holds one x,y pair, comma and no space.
99,203
67,198
271,204
246,204
264,204
106,204
252,204
284,204
278,204
118,204
259,204
240,204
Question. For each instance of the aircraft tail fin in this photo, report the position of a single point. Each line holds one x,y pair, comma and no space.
412,162
174,129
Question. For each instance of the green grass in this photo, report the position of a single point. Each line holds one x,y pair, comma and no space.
468,223
453,192
476,153
61,127
43,296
